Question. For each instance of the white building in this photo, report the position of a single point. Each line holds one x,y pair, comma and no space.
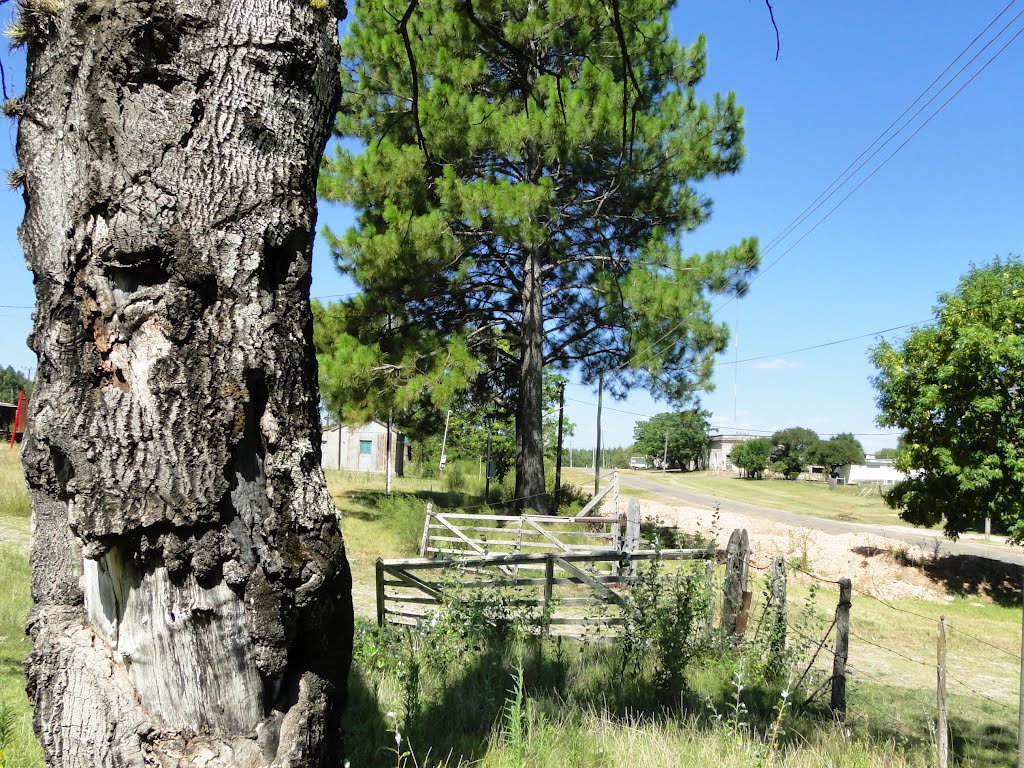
719,448
872,472
363,448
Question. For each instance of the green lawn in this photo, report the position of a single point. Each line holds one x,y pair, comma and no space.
859,504
23,750
891,693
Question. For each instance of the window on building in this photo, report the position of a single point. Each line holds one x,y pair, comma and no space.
365,447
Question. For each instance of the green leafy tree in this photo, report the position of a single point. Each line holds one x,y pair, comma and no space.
687,433
955,388
789,454
886,453
754,456
527,174
840,449
13,382
374,367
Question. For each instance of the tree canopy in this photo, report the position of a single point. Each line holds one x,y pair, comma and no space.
789,452
955,388
752,456
686,433
12,382
838,450
527,174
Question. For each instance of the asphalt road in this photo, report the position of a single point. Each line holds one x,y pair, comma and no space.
924,539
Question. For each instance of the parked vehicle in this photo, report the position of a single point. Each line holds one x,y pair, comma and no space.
638,462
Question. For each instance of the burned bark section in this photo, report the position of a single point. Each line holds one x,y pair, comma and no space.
192,600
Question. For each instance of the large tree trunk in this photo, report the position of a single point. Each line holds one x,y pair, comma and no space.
192,596
529,493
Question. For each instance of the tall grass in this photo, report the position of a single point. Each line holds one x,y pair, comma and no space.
22,750
528,702
13,493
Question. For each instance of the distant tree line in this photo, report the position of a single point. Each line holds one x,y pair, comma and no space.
790,451
12,382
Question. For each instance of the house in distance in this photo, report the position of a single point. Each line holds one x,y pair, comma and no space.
363,448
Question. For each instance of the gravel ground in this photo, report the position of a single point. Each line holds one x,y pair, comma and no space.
871,562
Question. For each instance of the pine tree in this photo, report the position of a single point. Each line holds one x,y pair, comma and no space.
528,173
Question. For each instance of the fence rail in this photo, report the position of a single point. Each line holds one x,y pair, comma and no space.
458,534
579,593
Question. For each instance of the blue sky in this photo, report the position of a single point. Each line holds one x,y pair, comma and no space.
950,197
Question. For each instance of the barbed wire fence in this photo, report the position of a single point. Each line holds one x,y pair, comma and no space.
841,654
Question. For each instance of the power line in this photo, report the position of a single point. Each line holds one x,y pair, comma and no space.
832,188
823,344
816,205
881,165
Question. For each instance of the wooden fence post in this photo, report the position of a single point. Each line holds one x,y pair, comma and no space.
425,541
381,608
632,531
615,493
842,650
618,539
735,584
777,640
942,726
549,583
709,583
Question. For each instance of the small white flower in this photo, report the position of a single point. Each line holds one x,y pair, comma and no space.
392,715
398,739
785,694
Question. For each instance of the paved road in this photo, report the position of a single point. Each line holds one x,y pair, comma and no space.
925,539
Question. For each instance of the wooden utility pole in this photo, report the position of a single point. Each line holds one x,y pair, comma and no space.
387,459
842,650
558,453
597,448
487,468
942,726
664,457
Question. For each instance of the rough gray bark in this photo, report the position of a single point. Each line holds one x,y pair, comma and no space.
529,491
192,596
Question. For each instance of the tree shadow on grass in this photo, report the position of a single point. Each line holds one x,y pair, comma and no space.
453,724
961,575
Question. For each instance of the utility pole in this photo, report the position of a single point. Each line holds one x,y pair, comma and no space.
597,447
387,459
664,457
444,441
487,467
558,453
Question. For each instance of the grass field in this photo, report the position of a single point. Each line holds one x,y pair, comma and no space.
22,751
892,696
859,504
573,711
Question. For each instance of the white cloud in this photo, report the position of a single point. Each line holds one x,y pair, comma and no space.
778,362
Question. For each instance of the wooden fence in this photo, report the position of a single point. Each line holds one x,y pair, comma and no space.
456,534
578,594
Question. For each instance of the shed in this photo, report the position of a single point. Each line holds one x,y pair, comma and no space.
362,448
7,416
